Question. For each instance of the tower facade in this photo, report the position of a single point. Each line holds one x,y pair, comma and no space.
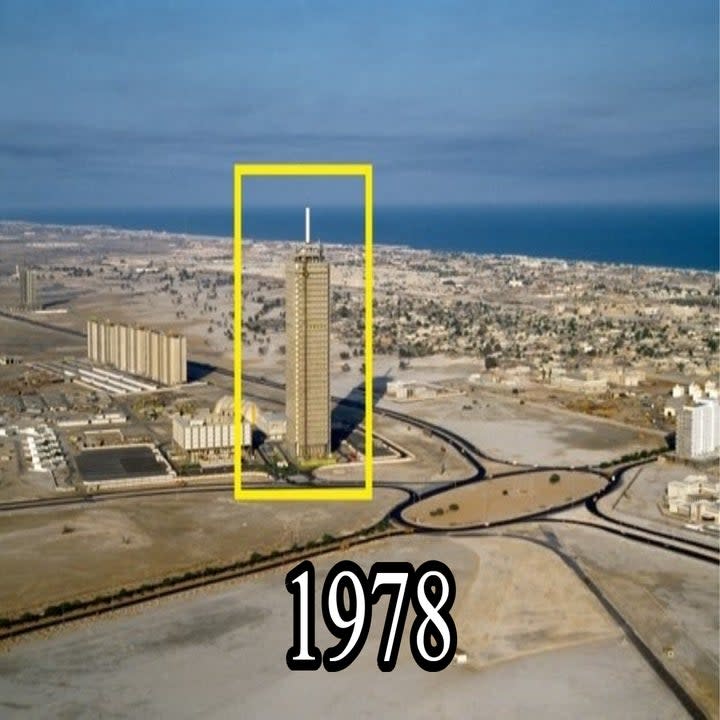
698,430
28,288
307,370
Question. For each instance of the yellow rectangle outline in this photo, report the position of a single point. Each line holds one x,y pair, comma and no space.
242,170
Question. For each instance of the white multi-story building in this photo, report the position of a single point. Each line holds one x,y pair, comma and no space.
698,429
678,391
206,433
695,391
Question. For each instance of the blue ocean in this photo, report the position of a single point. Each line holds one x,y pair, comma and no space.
682,237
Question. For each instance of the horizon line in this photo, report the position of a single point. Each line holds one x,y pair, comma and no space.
485,205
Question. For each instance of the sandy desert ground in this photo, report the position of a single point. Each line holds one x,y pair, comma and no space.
502,498
645,489
672,603
528,434
21,339
60,554
222,654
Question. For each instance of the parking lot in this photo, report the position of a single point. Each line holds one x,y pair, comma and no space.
119,462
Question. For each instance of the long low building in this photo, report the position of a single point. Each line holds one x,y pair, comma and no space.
154,354
110,418
42,449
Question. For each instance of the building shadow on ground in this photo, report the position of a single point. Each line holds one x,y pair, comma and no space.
198,370
349,412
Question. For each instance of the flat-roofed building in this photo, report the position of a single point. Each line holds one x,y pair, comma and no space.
206,434
695,497
175,359
92,335
272,424
698,429
153,354
693,485
123,345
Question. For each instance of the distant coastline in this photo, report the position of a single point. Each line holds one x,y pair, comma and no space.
673,237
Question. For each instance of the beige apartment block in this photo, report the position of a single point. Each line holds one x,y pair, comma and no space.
152,354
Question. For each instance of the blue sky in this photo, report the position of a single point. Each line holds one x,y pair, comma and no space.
150,103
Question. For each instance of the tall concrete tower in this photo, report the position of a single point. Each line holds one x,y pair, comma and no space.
307,357
28,288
